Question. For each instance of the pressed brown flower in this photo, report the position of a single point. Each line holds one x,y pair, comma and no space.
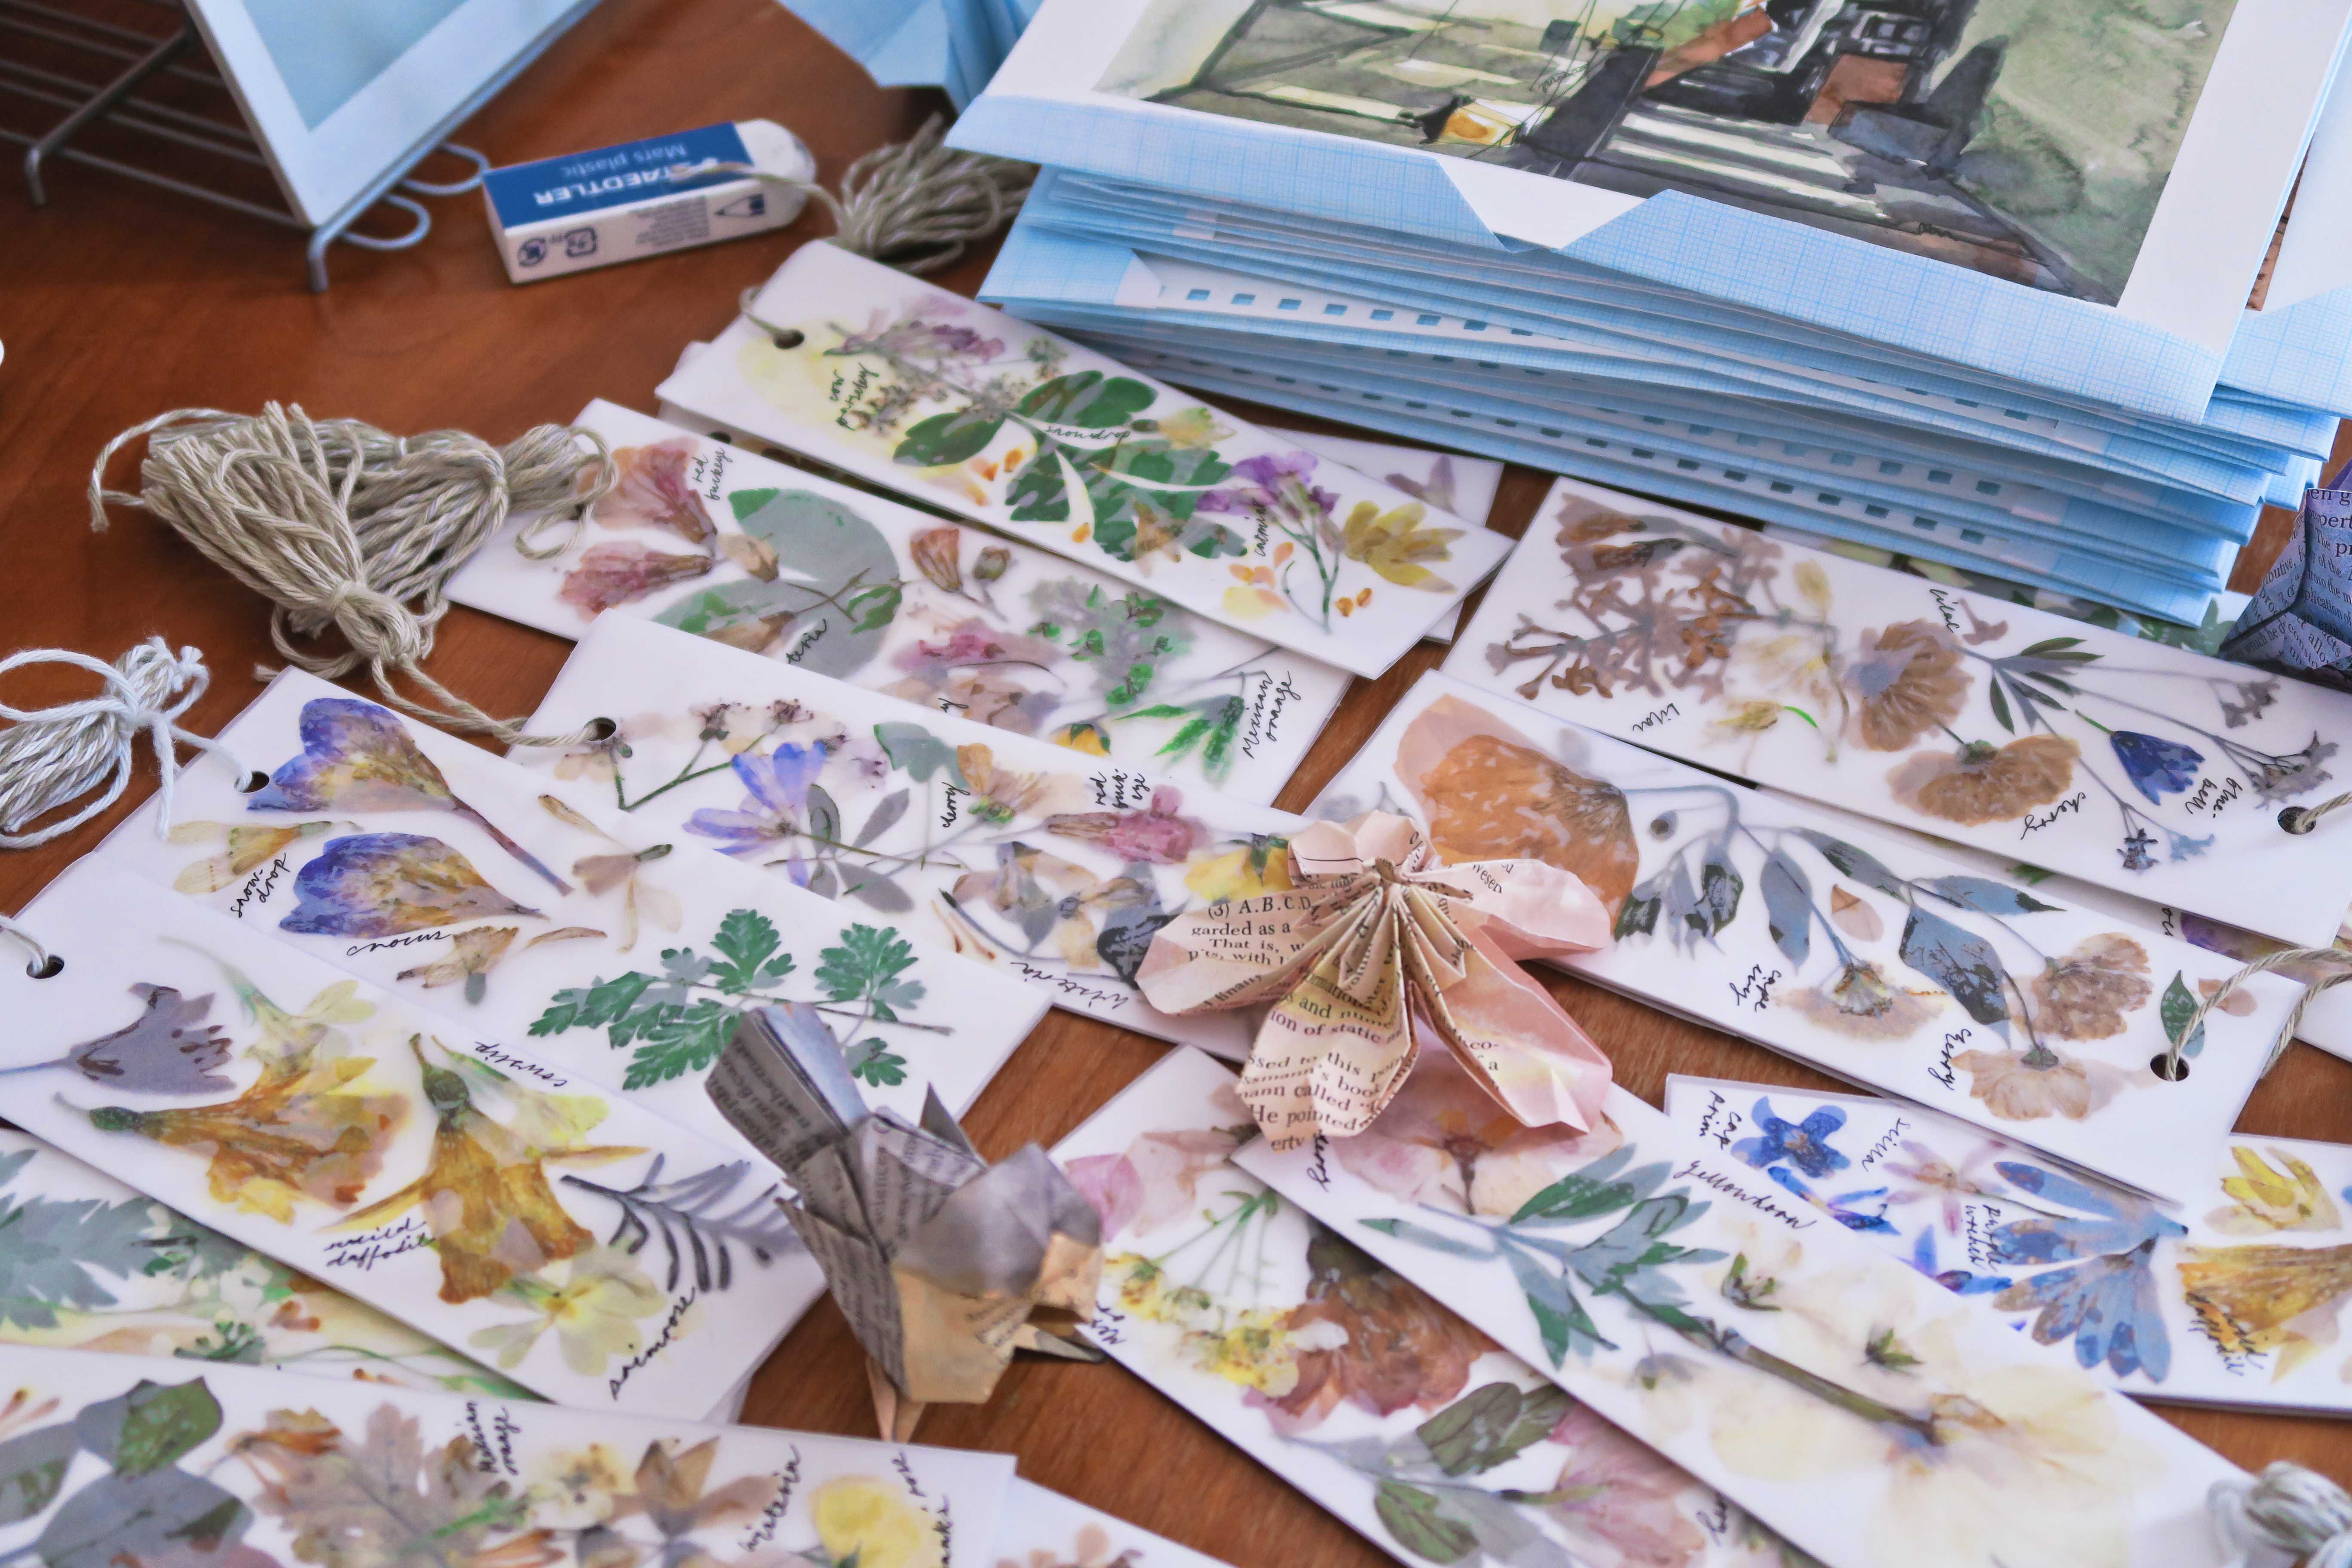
618,573
1982,783
1489,794
653,487
2025,1086
1862,1005
2085,995
1854,915
1401,1348
936,552
1907,681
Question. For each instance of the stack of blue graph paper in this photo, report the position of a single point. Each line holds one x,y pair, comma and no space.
2008,284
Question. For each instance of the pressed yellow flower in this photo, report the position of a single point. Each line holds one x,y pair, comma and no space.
2268,1200
249,847
1242,873
1248,601
1251,1347
1085,737
1394,544
594,1312
1191,429
875,1523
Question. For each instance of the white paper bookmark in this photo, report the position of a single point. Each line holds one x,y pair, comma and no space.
2234,1300
1054,868
117,1459
95,1264
863,368
455,879
1864,1413
705,535
1866,956
1380,1404
594,1252
1043,1529
2150,769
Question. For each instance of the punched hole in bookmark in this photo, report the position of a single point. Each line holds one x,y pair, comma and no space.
600,728
44,964
2166,1068
254,782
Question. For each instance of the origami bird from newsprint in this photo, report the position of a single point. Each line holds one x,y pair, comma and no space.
938,1259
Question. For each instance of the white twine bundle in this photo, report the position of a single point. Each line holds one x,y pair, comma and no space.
51,756
915,205
2286,1510
342,525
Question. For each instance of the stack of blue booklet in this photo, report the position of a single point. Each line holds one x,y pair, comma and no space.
2010,285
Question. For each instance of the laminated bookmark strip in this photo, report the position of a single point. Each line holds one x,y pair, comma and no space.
592,1251
1400,1418
124,1459
2153,770
103,1268
454,878
1053,868
1864,1413
888,378
1866,956
2232,1300
1043,1529
706,536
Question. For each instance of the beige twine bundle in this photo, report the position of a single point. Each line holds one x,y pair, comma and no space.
344,526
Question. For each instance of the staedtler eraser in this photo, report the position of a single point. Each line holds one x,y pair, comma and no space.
642,198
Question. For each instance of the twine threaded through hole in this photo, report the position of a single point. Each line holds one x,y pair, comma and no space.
2287,1510
344,526
2335,967
51,756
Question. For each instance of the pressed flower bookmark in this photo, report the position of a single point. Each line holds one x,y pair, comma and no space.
703,535
2232,1300
455,878
119,1459
1053,868
1868,956
590,1250
1852,1405
1327,1367
2153,770
875,372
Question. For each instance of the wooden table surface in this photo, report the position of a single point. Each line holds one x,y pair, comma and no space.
117,305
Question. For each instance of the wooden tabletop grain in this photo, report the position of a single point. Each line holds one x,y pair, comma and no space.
117,304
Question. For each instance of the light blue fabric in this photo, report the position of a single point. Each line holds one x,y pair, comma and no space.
951,44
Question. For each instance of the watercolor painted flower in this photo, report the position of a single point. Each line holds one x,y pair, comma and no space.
1444,1142
2288,1197
1159,835
1982,783
358,757
652,488
2024,1086
776,804
1487,795
875,1524
621,572
1805,1144
386,884
1907,682
2084,995
2157,767
1860,1004
595,1313
485,1196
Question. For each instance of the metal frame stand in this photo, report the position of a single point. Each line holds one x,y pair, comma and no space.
141,56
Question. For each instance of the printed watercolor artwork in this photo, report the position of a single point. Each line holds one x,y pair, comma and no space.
1859,1411
858,366
572,1241
1041,1529
110,1460
2126,763
1866,956
438,871
2234,1300
1409,1423
1051,868
710,538
91,1264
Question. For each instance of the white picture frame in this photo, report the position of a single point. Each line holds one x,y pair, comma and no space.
339,95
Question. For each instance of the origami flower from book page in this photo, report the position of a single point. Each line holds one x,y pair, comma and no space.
1374,932
938,1258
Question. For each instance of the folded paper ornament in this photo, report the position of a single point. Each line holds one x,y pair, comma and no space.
938,1258
1375,935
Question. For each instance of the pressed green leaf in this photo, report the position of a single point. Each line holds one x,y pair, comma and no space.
1962,962
1491,1425
150,1426
746,939
1420,1525
31,1468
918,753
1851,862
2178,1006
947,438
1984,896
746,502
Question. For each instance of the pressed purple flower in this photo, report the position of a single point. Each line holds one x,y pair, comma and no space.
2156,766
386,884
1806,1142
1159,837
778,785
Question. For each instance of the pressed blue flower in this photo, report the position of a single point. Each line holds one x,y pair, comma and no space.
778,785
2187,849
1805,1144
384,884
1959,1281
2157,767
2136,845
1841,1208
2105,1298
